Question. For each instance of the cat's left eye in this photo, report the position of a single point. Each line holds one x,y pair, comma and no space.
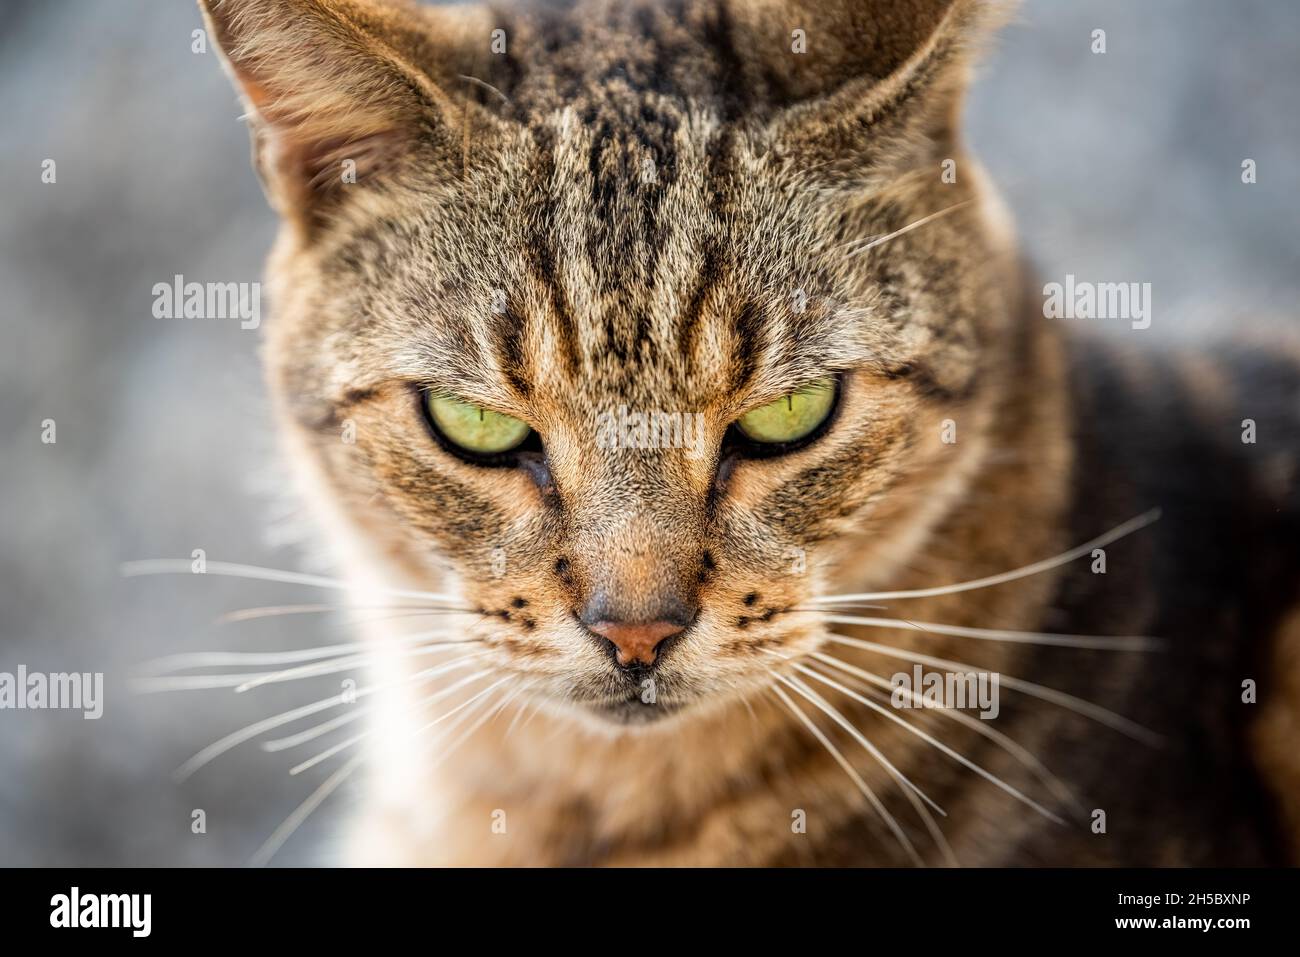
791,418
473,428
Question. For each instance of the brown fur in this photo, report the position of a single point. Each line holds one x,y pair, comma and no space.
670,199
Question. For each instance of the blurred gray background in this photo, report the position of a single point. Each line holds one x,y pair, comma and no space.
1120,167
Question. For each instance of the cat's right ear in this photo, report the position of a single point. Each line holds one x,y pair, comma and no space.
339,93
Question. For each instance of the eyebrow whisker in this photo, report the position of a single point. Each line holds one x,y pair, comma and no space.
862,246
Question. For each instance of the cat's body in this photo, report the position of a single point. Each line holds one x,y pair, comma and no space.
661,207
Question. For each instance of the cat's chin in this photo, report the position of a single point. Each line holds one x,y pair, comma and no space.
631,712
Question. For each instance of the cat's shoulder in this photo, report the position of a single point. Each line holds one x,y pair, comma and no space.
1209,432
1219,414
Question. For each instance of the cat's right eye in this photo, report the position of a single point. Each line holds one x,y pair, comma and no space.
473,428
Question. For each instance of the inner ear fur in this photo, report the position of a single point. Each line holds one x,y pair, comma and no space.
326,82
878,81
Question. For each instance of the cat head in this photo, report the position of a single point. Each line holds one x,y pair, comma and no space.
637,325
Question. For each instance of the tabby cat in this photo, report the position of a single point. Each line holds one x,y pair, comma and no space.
679,353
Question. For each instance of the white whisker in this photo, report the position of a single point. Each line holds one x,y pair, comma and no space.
243,681
272,611
536,708
856,778
931,825
485,85
211,659
357,738
303,811
1086,708
346,664
464,704
860,247
516,692
183,566
519,713
483,719
399,611
825,706
235,738
1118,532
934,742
325,727
1119,643
317,797
1008,744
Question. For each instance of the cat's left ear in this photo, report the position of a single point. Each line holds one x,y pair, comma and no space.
869,86
341,92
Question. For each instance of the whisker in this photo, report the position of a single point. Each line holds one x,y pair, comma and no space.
844,606
934,742
275,611
1116,533
325,727
538,703
333,667
357,738
236,738
211,659
485,85
271,611
1097,713
313,801
468,733
927,819
514,693
1119,643
859,247
1008,744
819,701
302,812
856,778
243,681
183,566
519,713
464,704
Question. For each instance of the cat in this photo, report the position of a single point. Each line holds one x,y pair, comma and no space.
505,226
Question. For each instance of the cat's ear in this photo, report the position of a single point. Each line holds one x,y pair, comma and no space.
338,93
862,85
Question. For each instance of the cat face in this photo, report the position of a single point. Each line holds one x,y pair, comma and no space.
633,361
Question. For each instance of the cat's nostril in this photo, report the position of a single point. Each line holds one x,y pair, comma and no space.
639,643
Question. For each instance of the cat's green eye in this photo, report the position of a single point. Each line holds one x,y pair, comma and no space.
791,417
475,428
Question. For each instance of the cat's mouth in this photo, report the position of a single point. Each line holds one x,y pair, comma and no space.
632,710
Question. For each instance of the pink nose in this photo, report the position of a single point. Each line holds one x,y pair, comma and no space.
636,642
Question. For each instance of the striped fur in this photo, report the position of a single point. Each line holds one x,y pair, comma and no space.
659,206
